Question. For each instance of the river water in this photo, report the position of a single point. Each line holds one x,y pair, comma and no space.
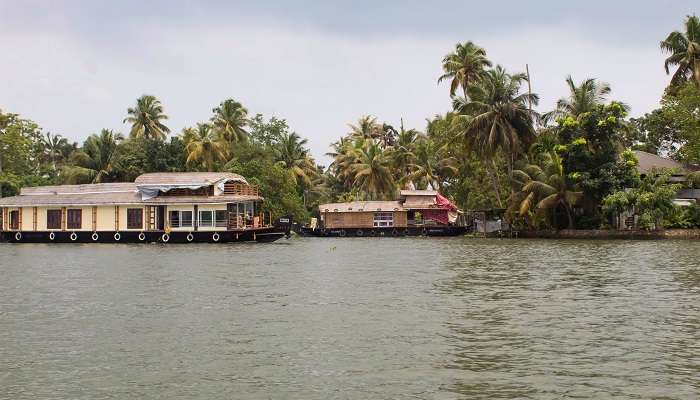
361,318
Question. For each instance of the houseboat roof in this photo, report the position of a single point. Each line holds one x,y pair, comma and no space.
431,193
360,206
140,192
187,178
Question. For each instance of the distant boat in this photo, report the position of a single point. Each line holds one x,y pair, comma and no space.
189,207
415,213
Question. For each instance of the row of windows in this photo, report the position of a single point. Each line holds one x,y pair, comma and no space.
134,219
207,219
383,219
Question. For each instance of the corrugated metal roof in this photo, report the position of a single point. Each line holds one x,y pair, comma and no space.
186,178
361,206
79,189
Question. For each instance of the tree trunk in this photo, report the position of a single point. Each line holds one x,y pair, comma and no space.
568,216
491,171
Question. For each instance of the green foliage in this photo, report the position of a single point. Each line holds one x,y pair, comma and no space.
281,195
652,201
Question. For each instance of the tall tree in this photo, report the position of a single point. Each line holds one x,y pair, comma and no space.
54,145
366,127
146,119
94,163
582,98
464,66
684,50
497,117
204,146
372,172
291,154
430,168
229,120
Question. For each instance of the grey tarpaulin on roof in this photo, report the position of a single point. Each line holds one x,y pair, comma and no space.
150,191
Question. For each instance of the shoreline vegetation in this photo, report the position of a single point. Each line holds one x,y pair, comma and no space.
571,169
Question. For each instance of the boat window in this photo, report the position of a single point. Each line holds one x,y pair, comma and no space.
75,219
206,218
382,219
221,218
180,219
53,219
134,218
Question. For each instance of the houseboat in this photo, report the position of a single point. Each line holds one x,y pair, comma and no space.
159,207
415,213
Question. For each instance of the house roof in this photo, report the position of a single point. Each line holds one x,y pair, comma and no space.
648,162
361,206
187,178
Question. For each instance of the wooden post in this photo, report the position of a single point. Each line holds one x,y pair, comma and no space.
19,218
34,211
116,218
64,217
94,218
195,217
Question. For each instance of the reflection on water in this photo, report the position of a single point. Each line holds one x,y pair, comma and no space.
352,318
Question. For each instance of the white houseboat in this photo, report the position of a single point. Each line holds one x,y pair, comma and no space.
158,207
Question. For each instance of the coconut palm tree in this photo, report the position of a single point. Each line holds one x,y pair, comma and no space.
402,153
94,163
53,146
229,120
204,146
497,117
582,99
146,119
347,153
545,188
372,172
684,50
290,153
464,66
366,127
429,168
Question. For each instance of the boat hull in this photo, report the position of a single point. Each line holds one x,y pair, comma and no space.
387,232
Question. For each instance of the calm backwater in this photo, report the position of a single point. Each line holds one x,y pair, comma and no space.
352,319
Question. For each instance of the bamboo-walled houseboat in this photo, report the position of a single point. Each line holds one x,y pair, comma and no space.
415,213
158,207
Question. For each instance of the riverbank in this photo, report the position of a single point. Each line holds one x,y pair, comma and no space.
687,234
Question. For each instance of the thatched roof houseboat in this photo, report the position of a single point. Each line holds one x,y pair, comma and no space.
416,212
156,207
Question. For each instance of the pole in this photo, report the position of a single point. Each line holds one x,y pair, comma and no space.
529,89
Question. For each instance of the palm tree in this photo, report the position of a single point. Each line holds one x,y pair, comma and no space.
582,99
145,119
54,145
291,154
464,67
347,153
94,163
366,128
372,172
430,168
544,187
402,153
204,146
684,50
229,121
497,117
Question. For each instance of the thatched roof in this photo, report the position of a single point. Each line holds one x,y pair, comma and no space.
361,206
432,193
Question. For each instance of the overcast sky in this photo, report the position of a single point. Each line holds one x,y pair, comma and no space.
75,67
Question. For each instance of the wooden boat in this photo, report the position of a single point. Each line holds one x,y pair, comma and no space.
191,207
415,213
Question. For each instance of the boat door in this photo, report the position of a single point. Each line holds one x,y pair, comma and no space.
160,218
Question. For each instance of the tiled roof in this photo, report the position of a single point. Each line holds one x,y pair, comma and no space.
648,161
